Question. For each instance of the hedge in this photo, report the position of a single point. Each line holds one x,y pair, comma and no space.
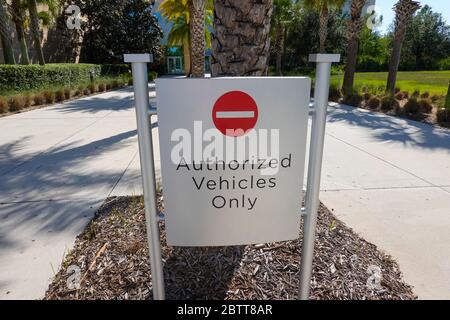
115,69
32,77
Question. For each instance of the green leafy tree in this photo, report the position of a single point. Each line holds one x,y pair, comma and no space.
115,27
323,7
427,41
373,51
283,15
303,38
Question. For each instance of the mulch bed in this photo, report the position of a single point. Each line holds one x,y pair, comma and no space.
112,258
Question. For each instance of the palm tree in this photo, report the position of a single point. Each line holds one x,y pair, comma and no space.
46,17
241,38
355,26
323,6
35,30
404,11
187,32
17,14
282,15
5,34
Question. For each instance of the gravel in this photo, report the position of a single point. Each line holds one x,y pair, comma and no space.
110,261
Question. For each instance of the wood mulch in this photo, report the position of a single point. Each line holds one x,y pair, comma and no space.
110,261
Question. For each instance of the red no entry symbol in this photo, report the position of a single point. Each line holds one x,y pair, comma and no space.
235,113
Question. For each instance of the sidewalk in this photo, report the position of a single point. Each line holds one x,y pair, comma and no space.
57,165
389,180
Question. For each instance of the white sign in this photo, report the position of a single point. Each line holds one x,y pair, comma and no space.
232,158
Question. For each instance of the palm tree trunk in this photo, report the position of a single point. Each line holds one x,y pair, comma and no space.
323,28
404,11
187,57
350,66
197,31
393,64
354,28
241,41
35,30
18,19
5,34
279,48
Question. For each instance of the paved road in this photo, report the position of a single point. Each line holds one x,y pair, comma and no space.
387,178
57,165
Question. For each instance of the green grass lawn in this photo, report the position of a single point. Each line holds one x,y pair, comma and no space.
435,82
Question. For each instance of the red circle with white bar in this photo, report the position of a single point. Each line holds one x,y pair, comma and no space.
235,113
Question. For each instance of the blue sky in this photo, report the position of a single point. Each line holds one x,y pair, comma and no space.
385,6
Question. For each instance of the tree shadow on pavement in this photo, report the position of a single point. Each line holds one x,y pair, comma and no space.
386,128
43,196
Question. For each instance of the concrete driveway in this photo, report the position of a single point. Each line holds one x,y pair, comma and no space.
57,165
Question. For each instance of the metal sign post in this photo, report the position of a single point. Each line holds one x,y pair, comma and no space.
140,84
321,92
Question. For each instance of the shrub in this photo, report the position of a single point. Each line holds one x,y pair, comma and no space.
115,84
405,94
108,86
426,105
444,64
334,94
415,94
67,93
114,69
28,100
86,91
4,108
39,99
373,103
49,96
443,115
130,82
32,77
425,95
412,106
16,103
353,100
435,98
80,90
92,87
388,103
367,96
59,95
399,96
101,87
152,75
